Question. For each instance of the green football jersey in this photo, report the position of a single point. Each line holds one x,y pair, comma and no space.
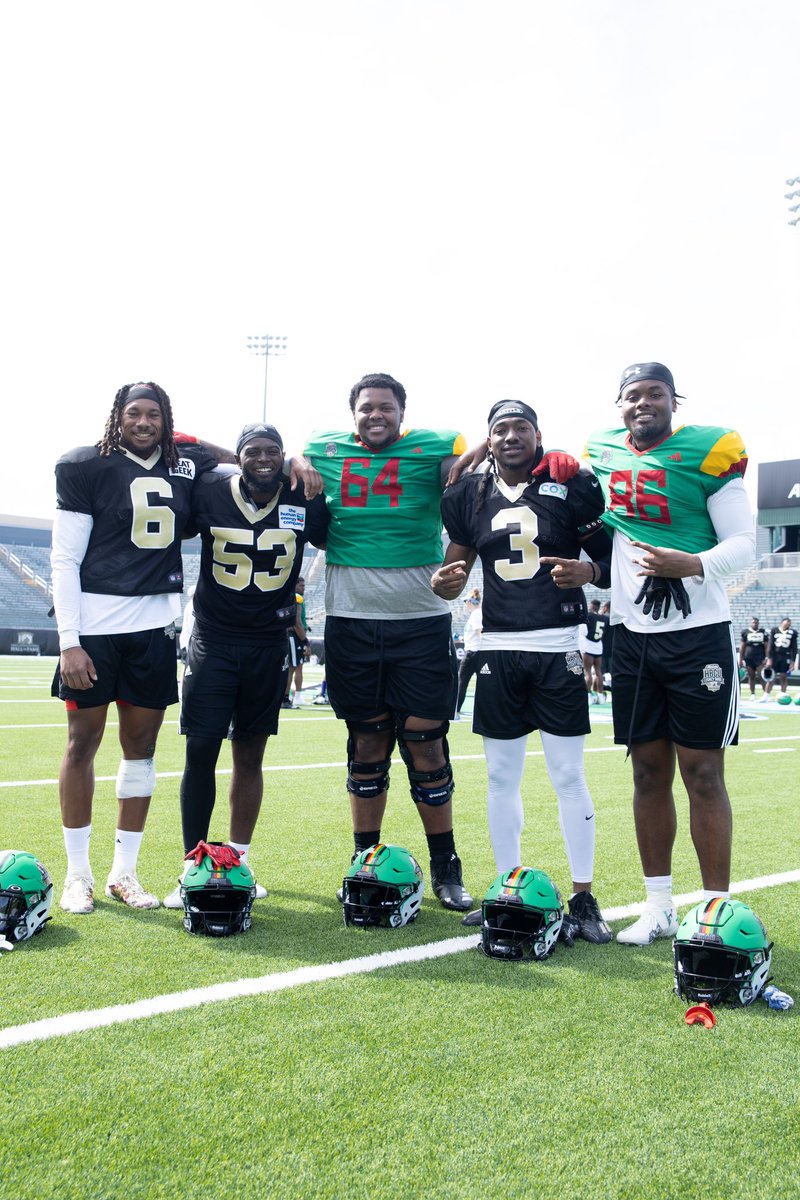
660,495
384,504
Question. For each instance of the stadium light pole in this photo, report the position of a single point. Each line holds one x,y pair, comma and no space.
793,196
267,344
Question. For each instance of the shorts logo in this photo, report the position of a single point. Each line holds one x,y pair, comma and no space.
291,517
485,670
712,678
188,671
574,662
330,450
558,490
185,468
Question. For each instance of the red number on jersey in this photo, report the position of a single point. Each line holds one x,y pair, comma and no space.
386,483
647,506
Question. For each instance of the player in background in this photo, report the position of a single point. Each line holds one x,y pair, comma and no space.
781,653
676,503
123,505
298,645
472,640
752,653
529,531
253,527
592,636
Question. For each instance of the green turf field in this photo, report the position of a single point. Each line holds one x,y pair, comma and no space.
457,1077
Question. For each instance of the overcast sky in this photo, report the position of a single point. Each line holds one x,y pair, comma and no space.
487,200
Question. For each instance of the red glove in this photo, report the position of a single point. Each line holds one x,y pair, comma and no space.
559,465
220,855
183,438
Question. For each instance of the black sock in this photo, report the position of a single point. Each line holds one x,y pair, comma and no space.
441,845
363,841
198,789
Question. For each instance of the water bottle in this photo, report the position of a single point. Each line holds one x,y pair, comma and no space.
776,998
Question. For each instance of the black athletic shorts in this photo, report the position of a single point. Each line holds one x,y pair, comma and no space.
135,668
518,691
233,691
754,658
688,691
781,665
296,655
408,667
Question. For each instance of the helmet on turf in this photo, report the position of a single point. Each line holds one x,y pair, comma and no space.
26,892
722,954
384,886
217,892
784,699
521,915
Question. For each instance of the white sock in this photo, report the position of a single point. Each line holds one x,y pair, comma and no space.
126,853
659,891
563,758
76,844
505,763
707,895
242,847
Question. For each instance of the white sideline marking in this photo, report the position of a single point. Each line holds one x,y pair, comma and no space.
777,750
118,1014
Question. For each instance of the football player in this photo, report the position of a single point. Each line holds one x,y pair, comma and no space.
781,653
676,502
592,635
123,505
253,526
298,645
752,653
529,531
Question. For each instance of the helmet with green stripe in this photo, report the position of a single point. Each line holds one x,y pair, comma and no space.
26,892
384,886
217,892
722,954
521,915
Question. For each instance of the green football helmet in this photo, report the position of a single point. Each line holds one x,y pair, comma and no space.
217,898
521,915
722,954
26,892
384,886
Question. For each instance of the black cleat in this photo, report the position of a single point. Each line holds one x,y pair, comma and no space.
584,908
447,883
473,918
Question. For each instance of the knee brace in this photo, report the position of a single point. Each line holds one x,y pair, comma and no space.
136,777
368,789
442,776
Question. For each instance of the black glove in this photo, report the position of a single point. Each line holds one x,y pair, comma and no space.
658,594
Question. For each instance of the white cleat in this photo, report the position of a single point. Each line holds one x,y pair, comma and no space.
173,900
78,894
128,890
652,924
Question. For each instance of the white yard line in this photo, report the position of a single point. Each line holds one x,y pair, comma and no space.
138,1010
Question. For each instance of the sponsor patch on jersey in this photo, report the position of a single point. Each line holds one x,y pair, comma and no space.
712,678
291,517
559,490
330,450
573,662
185,468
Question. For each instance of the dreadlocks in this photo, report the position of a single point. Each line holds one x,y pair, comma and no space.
486,479
111,434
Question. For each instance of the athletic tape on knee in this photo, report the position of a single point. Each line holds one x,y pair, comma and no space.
136,777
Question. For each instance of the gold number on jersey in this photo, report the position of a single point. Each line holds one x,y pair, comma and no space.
153,525
520,542
234,569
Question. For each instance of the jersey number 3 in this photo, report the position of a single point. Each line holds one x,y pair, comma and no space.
522,543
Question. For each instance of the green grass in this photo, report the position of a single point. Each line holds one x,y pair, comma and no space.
461,1076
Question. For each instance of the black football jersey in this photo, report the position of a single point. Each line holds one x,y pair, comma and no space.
596,625
783,643
547,519
139,512
755,640
250,558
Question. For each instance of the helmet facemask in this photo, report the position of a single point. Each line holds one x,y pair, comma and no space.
521,915
722,954
383,887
